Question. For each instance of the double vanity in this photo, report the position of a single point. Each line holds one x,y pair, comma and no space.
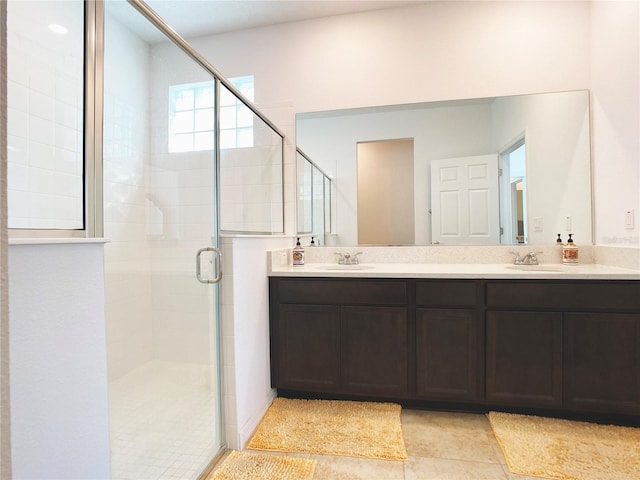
542,338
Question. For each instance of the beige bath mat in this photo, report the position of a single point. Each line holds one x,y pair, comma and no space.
262,466
355,429
567,450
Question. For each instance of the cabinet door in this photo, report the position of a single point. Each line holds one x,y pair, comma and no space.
524,358
602,362
309,348
447,354
374,350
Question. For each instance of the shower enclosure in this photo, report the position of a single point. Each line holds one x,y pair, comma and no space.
167,153
159,210
120,129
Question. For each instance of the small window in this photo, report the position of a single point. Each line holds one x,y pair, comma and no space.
192,115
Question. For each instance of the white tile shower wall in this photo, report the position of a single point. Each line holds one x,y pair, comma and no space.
127,259
45,101
251,190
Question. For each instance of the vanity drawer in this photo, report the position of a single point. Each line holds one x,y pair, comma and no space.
446,293
582,296
343,291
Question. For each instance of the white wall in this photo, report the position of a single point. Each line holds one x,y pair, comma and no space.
615,84
434,51
449,50
59,410
557,160
245,334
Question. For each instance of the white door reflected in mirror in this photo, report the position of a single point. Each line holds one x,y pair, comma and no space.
464,201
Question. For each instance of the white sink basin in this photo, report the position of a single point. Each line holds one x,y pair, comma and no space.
536,268
346,267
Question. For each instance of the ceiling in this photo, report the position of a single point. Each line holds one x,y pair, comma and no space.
191,18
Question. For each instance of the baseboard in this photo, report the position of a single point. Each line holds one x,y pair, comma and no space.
246,432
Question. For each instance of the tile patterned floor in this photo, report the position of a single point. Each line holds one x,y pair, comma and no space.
440,445
162,422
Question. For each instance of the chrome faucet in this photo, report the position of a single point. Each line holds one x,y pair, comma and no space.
530,258
347,258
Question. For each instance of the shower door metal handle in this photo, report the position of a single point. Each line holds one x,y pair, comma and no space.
217,263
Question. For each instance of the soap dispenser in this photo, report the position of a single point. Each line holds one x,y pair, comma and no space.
298,254
570,252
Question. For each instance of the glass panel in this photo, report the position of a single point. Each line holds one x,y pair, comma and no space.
227,98
198,118
204,120
182,143
304,195
205,97
244,117
184,100
159,209
245,137
245,86
203,140
328,228
227,139
183,122
318,203
314,197
45,120
228,117
251,198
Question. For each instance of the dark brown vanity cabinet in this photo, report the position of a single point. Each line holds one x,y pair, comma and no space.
309,347
339,336
524,358
551,345
602,362
568,345
449,341
374,350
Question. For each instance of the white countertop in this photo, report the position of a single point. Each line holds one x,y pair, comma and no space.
451,270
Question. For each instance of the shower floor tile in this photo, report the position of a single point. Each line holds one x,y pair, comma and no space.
163,421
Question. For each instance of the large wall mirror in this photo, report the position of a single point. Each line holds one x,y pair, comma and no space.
490,171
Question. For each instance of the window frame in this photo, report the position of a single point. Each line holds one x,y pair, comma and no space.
92,142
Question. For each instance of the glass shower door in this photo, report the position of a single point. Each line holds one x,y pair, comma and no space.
160,210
